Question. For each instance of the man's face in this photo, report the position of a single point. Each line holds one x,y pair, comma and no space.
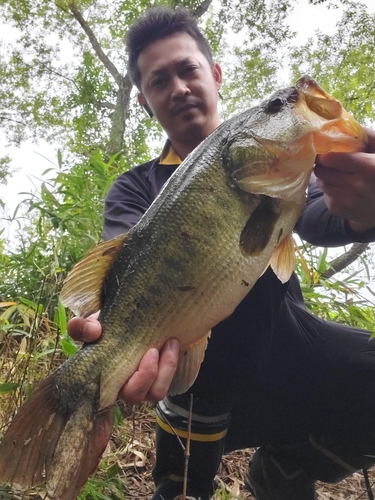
180,87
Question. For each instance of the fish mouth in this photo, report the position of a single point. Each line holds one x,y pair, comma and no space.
335,129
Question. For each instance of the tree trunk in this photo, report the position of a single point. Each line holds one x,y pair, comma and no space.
119,116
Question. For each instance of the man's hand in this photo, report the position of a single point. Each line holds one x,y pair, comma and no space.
155,371
348,183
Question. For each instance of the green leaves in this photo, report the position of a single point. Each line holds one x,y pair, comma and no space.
9,387
345,297
342,63
67,93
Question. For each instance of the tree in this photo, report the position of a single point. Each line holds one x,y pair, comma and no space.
73,88
342,63
84,102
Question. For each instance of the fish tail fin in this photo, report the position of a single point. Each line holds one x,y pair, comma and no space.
44,443
37,426
78,451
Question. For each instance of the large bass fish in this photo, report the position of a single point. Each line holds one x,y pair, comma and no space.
224,215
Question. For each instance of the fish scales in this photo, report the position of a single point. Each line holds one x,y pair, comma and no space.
224,215
208,265
172,304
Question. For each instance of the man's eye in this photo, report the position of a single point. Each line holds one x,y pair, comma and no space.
157,83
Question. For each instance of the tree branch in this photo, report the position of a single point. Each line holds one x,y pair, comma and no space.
344,260
51,70
202,8
4,117
104,104
96,45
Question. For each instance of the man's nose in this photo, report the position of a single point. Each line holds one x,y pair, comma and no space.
180,88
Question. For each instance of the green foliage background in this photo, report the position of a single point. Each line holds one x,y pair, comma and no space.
63,78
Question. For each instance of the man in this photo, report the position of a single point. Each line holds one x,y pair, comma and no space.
273,376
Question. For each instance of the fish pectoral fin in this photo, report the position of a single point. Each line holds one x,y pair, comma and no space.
82,288
258,230
283,259
189,362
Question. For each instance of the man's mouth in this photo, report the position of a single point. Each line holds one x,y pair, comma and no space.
182,107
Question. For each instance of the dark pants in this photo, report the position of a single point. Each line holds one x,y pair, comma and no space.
288,378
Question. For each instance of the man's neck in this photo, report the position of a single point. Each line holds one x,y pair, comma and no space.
183,148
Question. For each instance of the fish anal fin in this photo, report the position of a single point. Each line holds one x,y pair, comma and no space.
189,362
283,259
29,443
258,230
82,288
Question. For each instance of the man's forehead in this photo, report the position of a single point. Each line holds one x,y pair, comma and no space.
174,49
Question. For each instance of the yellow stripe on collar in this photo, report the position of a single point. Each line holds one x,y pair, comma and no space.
169,155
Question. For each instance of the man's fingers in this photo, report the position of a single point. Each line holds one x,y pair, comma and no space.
371,138
154,375
139,384
85,330
167,368
332,176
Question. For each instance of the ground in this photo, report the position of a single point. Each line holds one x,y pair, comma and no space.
130,456
231,474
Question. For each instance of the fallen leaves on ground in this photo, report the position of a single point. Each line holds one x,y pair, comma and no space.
131,454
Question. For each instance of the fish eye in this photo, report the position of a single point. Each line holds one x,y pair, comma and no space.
282,99
276,104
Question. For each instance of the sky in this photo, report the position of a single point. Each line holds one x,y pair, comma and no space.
31,160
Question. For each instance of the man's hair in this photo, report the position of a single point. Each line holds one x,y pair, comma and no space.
159,23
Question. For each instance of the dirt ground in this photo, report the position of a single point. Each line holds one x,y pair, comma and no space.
132,451
231,474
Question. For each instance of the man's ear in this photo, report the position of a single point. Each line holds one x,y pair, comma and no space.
142,101
217,75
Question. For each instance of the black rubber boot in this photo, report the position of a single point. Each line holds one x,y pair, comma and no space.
206,450
289,472
268,480
168,472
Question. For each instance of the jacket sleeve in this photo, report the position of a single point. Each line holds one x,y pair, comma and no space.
319,226
127,200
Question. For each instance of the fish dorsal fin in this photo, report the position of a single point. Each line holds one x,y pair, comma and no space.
189,362
259,228
82,288
283,259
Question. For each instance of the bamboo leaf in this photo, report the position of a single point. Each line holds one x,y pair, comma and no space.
8,387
